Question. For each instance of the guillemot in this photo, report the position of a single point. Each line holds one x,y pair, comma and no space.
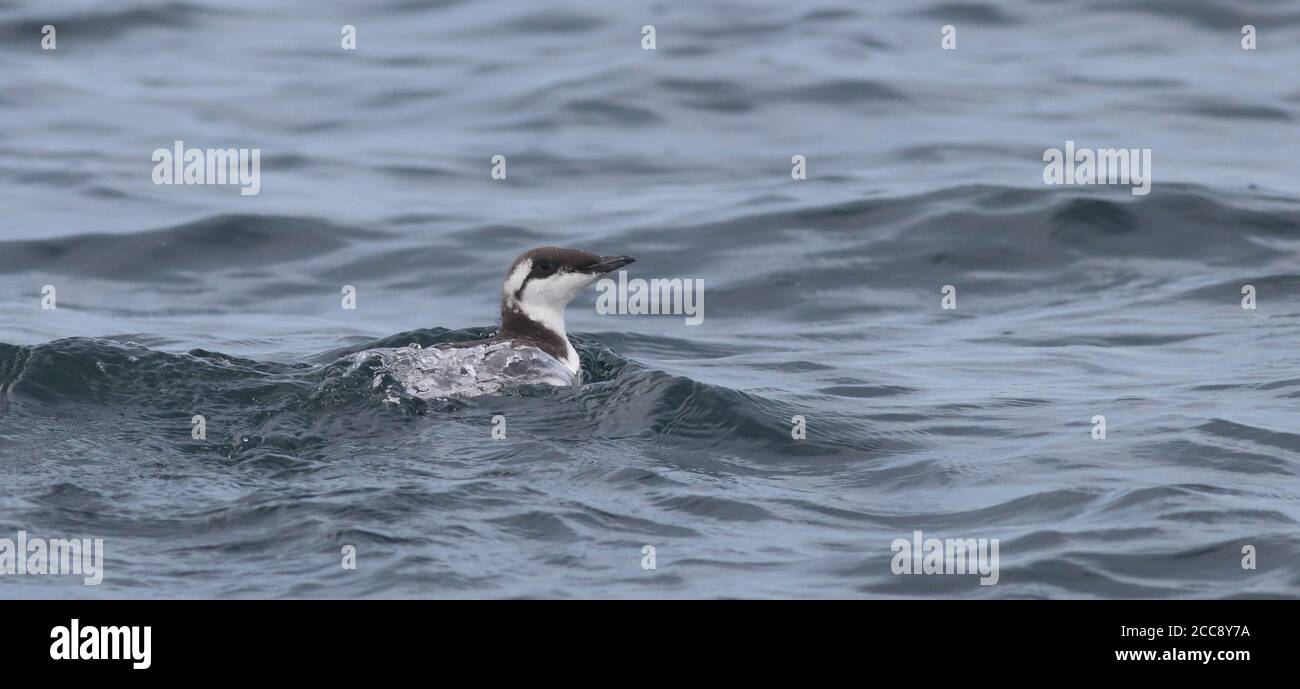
531,346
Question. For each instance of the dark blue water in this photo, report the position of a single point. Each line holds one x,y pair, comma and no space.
822,297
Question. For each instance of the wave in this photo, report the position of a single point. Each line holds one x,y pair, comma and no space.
104,24
965,229
218,243
293,411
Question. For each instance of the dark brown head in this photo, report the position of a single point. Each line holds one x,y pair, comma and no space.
543,281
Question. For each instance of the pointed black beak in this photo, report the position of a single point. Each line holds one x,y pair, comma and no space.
610,263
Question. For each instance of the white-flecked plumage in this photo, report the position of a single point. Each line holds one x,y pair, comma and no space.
533,344
467,371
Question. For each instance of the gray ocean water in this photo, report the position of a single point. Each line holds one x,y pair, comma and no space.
822,297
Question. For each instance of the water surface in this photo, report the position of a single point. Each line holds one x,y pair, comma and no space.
822,297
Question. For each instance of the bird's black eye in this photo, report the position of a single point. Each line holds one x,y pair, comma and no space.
545,266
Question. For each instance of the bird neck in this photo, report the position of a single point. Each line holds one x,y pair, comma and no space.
543,328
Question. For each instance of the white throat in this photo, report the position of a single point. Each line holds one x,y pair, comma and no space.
543,301
553,320
550,318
